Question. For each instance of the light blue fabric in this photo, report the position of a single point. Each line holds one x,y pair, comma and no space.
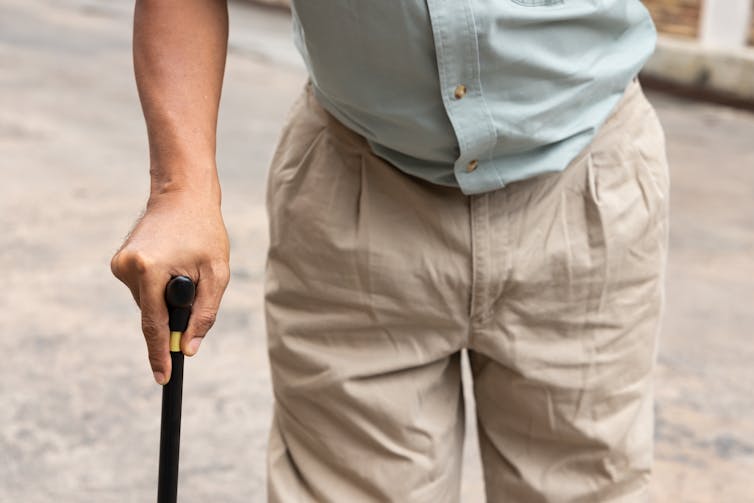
541,77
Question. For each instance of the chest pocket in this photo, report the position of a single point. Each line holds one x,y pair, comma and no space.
538,3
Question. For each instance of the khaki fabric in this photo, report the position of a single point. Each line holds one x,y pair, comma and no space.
376,281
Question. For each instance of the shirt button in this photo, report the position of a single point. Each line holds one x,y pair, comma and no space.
460,91
471,166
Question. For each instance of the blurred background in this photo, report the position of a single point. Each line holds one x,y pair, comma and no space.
79,412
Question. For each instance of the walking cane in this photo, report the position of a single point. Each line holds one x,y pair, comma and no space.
179,295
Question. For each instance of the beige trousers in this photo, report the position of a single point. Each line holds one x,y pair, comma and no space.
376,281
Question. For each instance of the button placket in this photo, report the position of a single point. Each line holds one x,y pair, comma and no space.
457,52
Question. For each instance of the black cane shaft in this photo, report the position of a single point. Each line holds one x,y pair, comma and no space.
170,433
179,295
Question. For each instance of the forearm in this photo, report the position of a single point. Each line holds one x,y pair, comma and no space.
179,50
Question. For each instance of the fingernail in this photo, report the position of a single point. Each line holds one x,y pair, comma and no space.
159,377
194,345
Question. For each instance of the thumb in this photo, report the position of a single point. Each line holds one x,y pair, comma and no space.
209,292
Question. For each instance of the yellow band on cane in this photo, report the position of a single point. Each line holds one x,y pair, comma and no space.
175,342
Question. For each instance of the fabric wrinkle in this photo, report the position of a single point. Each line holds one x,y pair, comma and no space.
597,233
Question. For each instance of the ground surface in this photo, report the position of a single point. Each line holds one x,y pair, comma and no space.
79,414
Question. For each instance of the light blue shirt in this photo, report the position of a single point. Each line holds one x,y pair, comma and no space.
540,77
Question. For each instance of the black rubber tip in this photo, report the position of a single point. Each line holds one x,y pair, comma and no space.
180,292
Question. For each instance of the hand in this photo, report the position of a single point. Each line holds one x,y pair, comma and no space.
180,233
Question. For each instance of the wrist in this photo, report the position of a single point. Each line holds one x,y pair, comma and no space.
199,180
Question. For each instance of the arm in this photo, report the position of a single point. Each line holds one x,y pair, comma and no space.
179,50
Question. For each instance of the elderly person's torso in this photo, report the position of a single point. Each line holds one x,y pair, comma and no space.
473,93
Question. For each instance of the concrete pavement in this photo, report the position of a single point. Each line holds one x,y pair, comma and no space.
79,413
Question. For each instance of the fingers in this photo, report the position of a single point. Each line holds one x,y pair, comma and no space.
148,290
154,324
209,291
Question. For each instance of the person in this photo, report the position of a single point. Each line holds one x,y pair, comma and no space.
457,177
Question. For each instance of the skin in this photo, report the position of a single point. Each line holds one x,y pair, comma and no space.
179,50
